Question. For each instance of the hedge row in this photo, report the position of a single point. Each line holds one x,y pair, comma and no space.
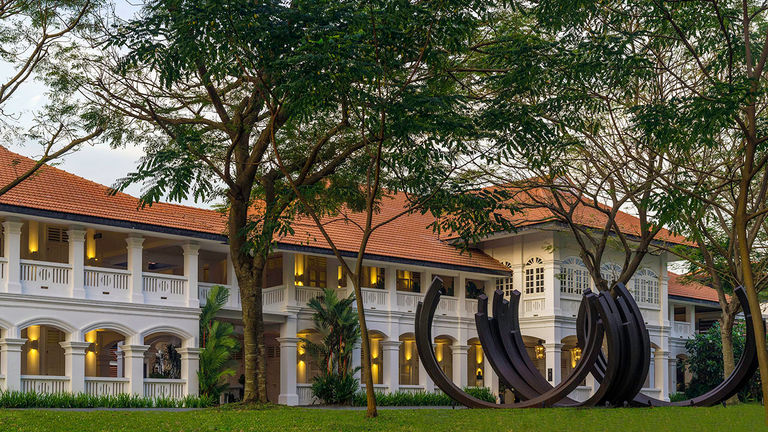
17,399
422,398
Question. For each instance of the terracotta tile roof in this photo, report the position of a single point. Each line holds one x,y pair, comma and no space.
55,190
532,213
694,290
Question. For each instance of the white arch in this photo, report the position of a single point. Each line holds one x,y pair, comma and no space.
187,338
71,331
108,325
5,325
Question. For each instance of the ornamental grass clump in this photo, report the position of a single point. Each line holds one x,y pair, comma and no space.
422,398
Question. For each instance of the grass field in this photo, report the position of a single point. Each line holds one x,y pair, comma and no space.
733,419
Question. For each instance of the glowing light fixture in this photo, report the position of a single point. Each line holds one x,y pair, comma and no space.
90,244
539,351
575,356
34,237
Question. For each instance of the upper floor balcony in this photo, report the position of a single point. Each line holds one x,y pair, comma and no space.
43,259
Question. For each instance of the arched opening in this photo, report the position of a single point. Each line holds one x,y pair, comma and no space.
536,351
162,360
475,364
409,360
375,339
104,355
42,353
682,375
307,365
444,354
570,356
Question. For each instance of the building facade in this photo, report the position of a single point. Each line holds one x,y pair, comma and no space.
98,295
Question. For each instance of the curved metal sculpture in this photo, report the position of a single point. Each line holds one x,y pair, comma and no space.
611,316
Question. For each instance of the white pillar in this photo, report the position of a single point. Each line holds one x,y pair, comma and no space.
12,252
661,366
134,367
190,363
288,365
460,365
391,373
490,379
288,395
135,266
231,275
77,261
462,296
357,361
390,285
289,280
191,269
10,362
74,364
553,358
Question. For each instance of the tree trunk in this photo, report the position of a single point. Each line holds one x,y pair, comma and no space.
729,364
365,356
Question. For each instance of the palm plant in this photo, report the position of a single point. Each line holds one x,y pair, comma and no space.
217,344
339,329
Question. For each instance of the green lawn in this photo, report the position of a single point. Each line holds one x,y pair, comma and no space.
733,419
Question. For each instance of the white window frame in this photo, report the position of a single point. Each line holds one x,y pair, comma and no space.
534,276
506,284
574,277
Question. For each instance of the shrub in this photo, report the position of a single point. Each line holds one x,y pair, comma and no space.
422,398
17,399
334,388
677,397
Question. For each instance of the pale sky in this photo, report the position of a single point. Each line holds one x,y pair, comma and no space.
98,163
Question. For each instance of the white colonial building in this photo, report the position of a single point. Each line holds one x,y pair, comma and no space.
94,291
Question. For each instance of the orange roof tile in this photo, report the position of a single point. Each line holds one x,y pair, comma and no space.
52,189
677,286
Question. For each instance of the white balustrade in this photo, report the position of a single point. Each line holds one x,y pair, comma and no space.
374,298
273,296
163,289
470,306
581,393
106,283
378,388
102,386
407,301
305,395
533,307
164,388
682,329
44,384
447,306
48,278
305,294
410,389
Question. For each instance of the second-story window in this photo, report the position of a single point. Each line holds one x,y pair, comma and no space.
448,282
506,285
311,271
646,286
574,278
534,276
408,281
373,277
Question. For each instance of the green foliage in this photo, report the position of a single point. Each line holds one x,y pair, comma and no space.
217,344
422,398
337,324
677,397
705,362
334,388
16,399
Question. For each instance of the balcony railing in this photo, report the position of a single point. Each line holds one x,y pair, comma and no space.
106,283
162,288
164,388
44,384
682,329
374,298
100,386
47,278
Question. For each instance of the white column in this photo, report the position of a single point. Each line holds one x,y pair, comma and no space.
460,365
12,252
672,374
288,365
553,358
690,313
133,361
136,279
190,363
191,269
357,361
661,366
390,285
231,275
490,379
77,261
424,380
462,296
426,281
289,280
288,395
391,373
74,364
10,362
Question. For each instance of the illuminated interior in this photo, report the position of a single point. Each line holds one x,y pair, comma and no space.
104,357
409,361
306,366
475,364
444,354
311,271
42,353
408,281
